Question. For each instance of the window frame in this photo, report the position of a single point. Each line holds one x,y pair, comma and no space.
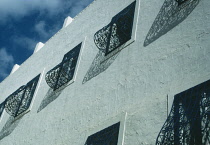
82,43
189,110
5,115
35,80
121,118
133,34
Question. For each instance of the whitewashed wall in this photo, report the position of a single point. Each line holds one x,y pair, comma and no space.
137,82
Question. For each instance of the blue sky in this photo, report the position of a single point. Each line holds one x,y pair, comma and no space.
24,23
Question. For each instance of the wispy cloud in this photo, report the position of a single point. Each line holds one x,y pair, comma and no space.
20,8
24,41
29,43
6,63
76,6
42,30
50,16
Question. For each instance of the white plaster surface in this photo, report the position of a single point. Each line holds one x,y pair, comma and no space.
38,47
67,21
137,82
15,67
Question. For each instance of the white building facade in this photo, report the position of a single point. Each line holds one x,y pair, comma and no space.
122,72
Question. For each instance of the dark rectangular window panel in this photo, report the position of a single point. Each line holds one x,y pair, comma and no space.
64,71
117,32
181,1
107,136
189,120
19,101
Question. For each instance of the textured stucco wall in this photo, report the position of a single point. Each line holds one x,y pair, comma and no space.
137,80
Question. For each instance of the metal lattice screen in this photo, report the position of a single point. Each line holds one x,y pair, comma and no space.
107,136
117,32
19,101
189,120
64,71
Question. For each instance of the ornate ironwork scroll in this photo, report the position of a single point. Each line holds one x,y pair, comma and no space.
107,136
64,71
111,38
117,32
19,101
170,15
189,120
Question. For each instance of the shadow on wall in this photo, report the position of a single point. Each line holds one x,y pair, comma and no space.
189,120
110,40
169,16
99,64
107,136
50,97
9,127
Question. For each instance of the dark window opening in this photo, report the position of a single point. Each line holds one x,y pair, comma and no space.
189,120
63,72
117,32
107,136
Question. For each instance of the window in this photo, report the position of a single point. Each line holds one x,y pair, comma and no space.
117,32
181,1
63,72
19,101
107,136
189,119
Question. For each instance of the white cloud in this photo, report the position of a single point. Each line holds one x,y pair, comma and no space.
24,41
6,63
20,8
17,9
40,28
77,6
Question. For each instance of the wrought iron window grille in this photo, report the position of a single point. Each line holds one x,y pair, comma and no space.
107,136
19,101
189,120
117,32
63,73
